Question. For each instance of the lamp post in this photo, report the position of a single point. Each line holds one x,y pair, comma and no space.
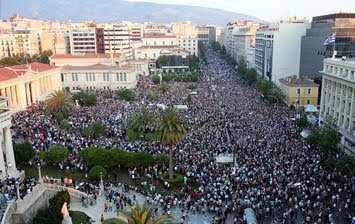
101,183
39,173
18,191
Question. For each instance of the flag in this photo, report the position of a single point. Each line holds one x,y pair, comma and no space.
330,39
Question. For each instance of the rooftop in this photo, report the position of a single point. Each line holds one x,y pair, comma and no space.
294,81
98,67
159,46
85,55
16,71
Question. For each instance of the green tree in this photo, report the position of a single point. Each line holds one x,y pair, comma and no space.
85,99
64,124
8,61
126,94
303,121
142,159
24,152
96,171
56,154
156,79
142,215
59,116
164,87
152,96
45,56
172,129
329,138
58,101
95,130
96,156
142,122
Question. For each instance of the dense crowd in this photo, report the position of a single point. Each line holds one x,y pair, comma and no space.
277,173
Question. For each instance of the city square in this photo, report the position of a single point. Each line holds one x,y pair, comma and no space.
155,130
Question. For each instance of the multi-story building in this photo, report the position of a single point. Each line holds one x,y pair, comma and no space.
87,59
250,57
264,41
188,43
287,48
299,91
203,33
338,97
185,29
313,50
154,45
243,38
118,39
83,40
53,40
24,85
20,42
100,40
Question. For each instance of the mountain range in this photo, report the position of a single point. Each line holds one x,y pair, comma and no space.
118,10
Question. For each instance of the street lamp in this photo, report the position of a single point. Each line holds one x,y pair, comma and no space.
101,183
39,173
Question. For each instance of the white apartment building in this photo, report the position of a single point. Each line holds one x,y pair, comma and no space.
243,38
264,42
188,43
119,39
250,57
338,97
203,33
287,48
19,42
83,40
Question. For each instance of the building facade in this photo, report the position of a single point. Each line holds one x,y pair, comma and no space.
98,76
23,85
83,40
250,57
299,91
7,157
243,38
188,43
287,48
119,39
313,51
264,43
86,59
338,96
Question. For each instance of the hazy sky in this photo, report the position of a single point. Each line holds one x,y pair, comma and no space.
271,9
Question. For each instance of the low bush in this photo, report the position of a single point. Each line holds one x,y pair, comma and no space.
156,79
95,172
59,116
177,179
64,124
125,94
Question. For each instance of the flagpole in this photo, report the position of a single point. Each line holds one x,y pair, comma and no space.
334,45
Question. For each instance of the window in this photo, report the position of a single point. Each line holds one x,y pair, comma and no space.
121,78
73,77
298,91
104,76
308,102
309,91
124,77
117,77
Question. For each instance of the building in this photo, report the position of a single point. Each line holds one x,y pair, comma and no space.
100,41
7,157
203,33
184,29
287,48
250,57
83,40
188,43
299,91
23,85
264,42
86,59
243,38
153,45
20,42
118,39
338,97
53,40
313,50
99,76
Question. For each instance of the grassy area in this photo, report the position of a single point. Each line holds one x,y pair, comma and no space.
78,217
51,171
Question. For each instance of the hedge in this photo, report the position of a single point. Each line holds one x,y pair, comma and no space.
94,173
177,178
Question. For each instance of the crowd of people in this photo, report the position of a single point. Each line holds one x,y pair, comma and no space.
276,173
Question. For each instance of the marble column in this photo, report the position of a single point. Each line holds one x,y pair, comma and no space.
13,95
2,161
38,90
3,92
21,95
10,157
28,94
33,91
8,95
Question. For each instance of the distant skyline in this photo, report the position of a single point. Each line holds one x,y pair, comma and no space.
271,9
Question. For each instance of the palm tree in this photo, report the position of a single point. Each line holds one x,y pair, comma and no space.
172,129
58,101
142,121
142,215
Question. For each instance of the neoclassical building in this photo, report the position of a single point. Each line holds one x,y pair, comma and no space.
25,84
7,158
